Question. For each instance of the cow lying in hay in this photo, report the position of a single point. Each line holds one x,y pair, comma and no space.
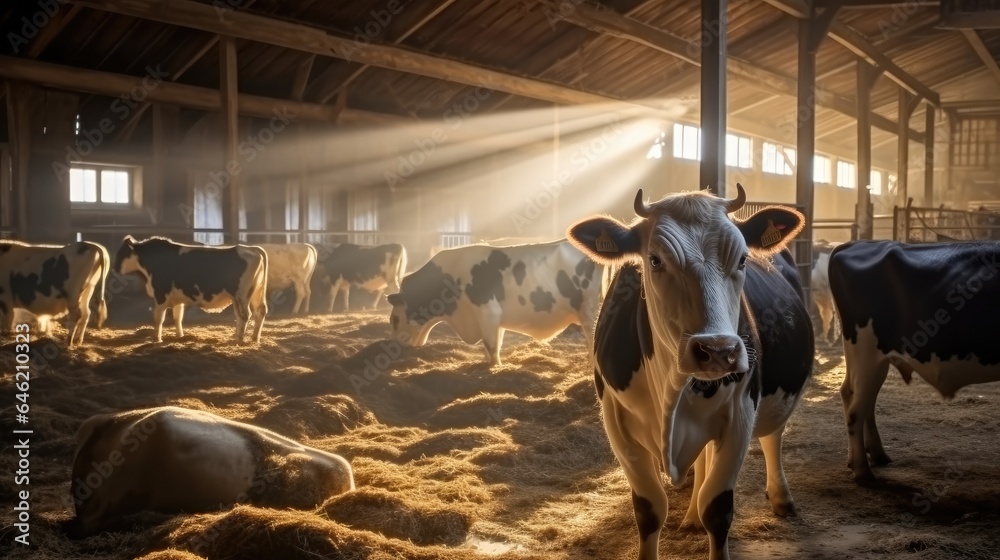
53,280
702,342
211,278
481,291
172,460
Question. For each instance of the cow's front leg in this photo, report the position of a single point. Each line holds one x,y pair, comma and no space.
178,311
715,501
159,314
492,339
378,298
777,487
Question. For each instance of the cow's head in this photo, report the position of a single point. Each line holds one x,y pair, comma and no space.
425,298
694,259
127,259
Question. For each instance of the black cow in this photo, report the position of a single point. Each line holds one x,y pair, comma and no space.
211,278
376,269
702,343
927,308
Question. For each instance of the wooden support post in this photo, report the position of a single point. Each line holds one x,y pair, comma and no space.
863,211
303,186
949,182
929,157
903,147
555,170
805,142
230,139
713,96
19,135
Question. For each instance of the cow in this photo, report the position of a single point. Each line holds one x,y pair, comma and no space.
820,287
172,460
702,337
54,280
376,269
927,308
291,266
212,278
481,291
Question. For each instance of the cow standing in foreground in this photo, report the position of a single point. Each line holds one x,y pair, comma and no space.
482,291
376,269
211,278
174,460
702,342
291,265
52,280
929,309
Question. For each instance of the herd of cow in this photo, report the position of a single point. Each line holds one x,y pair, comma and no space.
696,323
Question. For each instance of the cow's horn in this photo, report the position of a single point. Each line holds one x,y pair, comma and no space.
735,204
641,208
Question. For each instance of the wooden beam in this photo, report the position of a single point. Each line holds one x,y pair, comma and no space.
713,97
903,147
899,37
861,47
754,105
929,157
772,82
114,85
864,4
805,141
863,210
230,138
302,77
47,33
331,82
238,24
971,104
979,20
836,129
977,44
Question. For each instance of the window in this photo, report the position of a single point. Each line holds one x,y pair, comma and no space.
363,217
846,175
453,223
821,169
96,184
208,213
687,142
777,159
876,182
739,151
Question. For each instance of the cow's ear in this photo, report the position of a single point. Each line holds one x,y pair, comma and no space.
604,239
394,299
771,229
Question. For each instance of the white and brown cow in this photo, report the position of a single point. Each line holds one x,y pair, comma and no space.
378,269
481,291
291,266
924,308
211,278
54,280
174,460
702,343
820,288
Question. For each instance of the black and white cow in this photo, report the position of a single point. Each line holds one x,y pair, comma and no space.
174,460
376,269
482,291
291,265
820,287
211,278
702,343
53,280
924,308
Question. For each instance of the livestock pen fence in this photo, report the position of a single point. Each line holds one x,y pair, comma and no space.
930,225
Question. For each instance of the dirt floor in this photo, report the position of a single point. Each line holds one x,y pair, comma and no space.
453,460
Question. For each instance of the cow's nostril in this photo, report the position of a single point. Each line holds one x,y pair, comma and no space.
702,354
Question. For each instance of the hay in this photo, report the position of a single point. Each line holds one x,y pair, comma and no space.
380,511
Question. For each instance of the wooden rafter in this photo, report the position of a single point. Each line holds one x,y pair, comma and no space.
187,13
972,36
49,32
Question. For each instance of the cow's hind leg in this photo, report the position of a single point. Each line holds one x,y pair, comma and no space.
866,372
777,487
300,296
691,519
78,319
649,500
178,311
159,314
873,443
242,310
259,312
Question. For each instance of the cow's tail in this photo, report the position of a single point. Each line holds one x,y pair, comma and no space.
401,268
102,304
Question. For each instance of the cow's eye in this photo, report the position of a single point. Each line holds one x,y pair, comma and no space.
743,262
654,262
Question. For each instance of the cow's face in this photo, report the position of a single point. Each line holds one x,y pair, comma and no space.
694,260
410,333
127,260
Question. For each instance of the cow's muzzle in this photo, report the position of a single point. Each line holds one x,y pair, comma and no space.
713,356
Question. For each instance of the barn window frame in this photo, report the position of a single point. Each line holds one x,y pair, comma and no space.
847,174
822,169
777,159
687,142
739,151
104,196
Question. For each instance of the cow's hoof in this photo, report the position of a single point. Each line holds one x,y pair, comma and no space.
880,459
692,524
784,509
865,478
